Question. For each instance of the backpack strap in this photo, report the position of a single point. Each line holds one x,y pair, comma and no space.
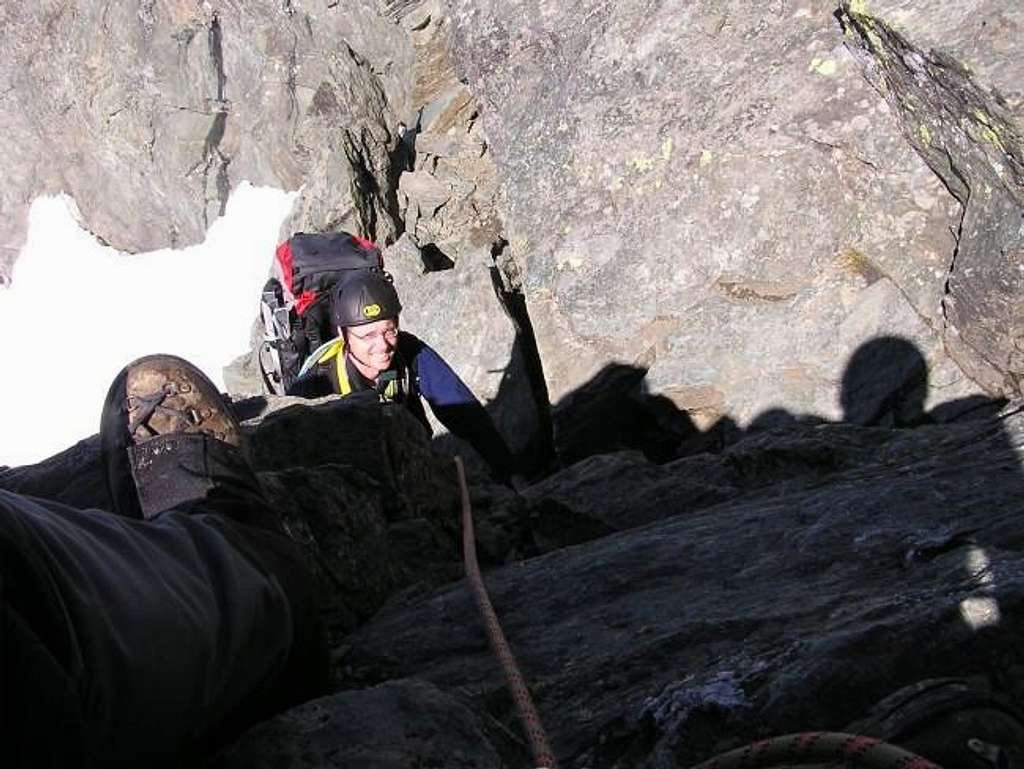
344,386
322,354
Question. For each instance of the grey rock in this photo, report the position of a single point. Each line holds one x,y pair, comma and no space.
661,612
969,132
734,197
710,209
448,198
433,111
455,310
400,9
429,193
716,193
148,116
350,136
932,716
357,485
445,262
74,477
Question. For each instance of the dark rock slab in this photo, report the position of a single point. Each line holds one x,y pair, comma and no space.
74,477
661,612
360,488
399,725
794,606
355,483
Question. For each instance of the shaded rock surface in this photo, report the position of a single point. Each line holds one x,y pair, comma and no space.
773,590
356,484
788,580
394,726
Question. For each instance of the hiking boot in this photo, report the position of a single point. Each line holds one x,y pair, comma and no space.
168,437
167,395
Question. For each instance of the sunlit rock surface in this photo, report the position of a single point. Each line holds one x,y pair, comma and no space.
732,196
150,114
736,196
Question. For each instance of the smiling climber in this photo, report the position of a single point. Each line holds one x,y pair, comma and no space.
372,358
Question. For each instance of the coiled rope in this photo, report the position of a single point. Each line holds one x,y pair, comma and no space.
832,748
528,716
804,748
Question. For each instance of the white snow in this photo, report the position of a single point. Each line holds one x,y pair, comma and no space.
78,311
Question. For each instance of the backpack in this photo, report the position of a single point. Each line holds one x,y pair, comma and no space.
296,302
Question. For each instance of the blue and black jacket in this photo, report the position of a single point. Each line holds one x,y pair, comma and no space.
416,372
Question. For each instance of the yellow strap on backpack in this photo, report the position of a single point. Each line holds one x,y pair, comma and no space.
336,351
339,366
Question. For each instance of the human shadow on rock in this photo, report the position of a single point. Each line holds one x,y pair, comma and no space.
955,465
886,382
959,463
612,412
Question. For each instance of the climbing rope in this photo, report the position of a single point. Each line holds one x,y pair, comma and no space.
528,715
832,748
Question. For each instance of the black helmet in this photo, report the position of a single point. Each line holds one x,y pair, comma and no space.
364,299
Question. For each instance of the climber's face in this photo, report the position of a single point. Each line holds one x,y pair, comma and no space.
372,346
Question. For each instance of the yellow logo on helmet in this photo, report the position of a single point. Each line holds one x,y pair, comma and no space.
371,311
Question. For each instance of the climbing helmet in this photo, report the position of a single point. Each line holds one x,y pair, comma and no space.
364,299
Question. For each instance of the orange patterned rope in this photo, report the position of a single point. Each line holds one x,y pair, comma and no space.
834,748
528,716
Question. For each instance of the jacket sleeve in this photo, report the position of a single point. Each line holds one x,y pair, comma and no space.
455,406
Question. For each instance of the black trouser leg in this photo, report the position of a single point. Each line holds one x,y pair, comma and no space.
40,717
168,631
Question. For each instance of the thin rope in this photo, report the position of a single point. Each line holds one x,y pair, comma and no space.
528,715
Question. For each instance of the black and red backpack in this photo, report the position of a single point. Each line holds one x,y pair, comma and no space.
295,305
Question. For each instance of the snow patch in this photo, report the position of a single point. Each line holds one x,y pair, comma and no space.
77,311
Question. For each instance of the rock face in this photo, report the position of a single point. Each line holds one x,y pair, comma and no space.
676,243
357,485
432,728
148,115
960,104
773,589
717,192
730,197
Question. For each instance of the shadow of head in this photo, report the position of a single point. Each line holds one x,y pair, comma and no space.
614,412
885,383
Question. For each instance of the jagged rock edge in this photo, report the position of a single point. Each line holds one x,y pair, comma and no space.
884,53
